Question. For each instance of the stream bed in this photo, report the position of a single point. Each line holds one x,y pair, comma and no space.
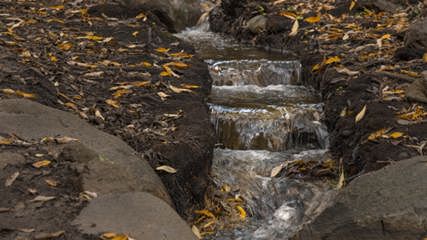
265,119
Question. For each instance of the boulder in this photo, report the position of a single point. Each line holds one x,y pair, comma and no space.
389,204
416,37
107,163
139,215
176,14
417,91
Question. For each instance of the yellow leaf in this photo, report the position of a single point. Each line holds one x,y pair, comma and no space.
287,14
179,90
42,163
417,114
177,64
410,73
52,57
135,33
166,168
331,60
169,71
242,212
141,16
294,29
165,74
163,50
112,103
6,141
59,7
114,236
71,105
92,37
316,67
119,93
360,115
24,94
181,55
425,57
147,64
190,86
65,46
386,36
205,212
312,19
375,135
395,135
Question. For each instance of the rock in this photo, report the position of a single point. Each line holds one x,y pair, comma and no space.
382,5
178,14
390,204
112,165
417,91
10,158
257,24
140,215
416,37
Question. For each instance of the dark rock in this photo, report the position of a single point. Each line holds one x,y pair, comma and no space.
140,215
257,24
113,166
416,38
10,158
417,91
390,204
178,14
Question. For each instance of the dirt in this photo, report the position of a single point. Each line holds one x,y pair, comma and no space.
106,69
370,71
22,216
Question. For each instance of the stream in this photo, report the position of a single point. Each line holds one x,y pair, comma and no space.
264,118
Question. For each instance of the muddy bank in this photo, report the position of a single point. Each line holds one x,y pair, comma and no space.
349,55
127,76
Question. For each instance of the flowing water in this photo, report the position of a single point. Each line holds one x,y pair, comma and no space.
264,118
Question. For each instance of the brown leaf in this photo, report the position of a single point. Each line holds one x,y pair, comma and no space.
179,90
42,163
295,28
112,103
11,179
314,19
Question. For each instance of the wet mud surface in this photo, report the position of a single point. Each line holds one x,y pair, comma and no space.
127,76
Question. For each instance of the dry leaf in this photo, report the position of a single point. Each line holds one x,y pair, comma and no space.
287,14
352,5
42,198
312,19
331,60
119,93
11,179
425,57
295,28
196,232
396,135
141,16
51,182
167,169
177,64
179,90
162,95
42,163
242,212
375,135
360,115
205,212
181,55
163,50
65,46
346,71
276,170
112,103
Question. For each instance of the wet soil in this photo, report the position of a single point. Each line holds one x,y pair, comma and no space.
38,201
367,72
112,71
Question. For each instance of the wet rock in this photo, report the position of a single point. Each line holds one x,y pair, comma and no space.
112,165
140,215
257,24
417,91
389,204
178,14
416,38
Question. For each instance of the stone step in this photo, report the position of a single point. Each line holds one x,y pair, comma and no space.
271,128
255,72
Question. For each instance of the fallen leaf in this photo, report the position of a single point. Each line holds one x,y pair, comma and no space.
58,7
65,46
242,212
276,170
179,90
287,14
167,169
10,180
112,103
169,72
162,50
162,95
181,55
352,5
119,93
25,94
295,28
375,135
190,86
196,232
177,64
425,57
346,71
141,16
314,19
205,212
94,74
396,135
51,182
42,198
331,60
360,115
42,163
